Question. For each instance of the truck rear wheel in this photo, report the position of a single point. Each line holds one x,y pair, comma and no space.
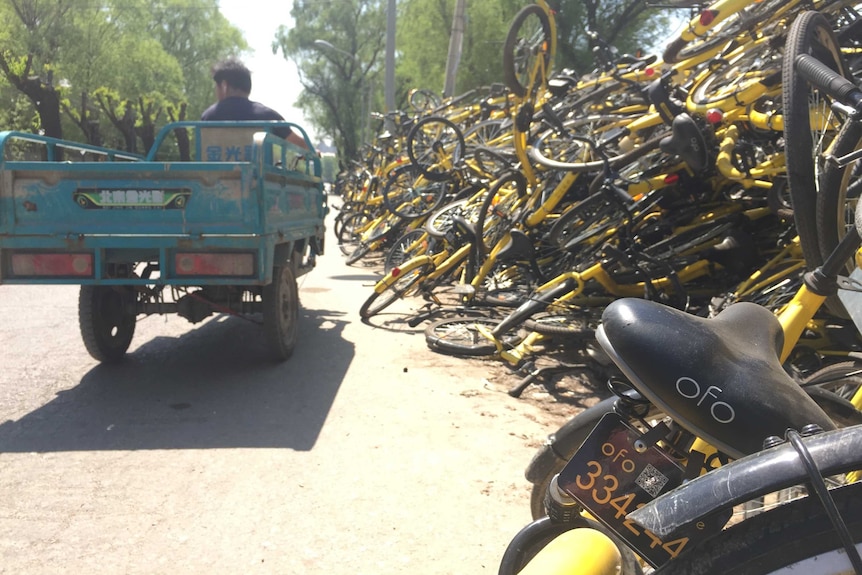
281,312
107,319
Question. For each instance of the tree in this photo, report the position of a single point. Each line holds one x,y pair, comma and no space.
197,35
124,61
337,79
423,31
627,25
32,40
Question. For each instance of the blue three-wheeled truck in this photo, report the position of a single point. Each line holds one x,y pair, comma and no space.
225,227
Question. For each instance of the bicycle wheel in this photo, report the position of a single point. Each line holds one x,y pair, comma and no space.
440,222
568,321
358,253
809,124
528,39
423,100
411,273
585,219
413,243
507,285
349,234
487,132
794,538
409,195
737,82
461,336
499,211
434,145
490,163
712,28
839,193
575,147
843,378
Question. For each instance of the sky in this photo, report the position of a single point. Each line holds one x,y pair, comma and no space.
274,80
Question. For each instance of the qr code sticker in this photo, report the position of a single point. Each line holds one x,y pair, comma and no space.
651,480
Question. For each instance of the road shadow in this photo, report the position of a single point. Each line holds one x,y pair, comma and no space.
211,387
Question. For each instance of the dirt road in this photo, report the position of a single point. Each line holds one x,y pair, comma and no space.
366,453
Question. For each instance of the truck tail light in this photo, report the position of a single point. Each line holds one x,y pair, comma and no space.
209,264
26,264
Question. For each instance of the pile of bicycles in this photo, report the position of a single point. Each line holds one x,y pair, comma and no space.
514,216
682,223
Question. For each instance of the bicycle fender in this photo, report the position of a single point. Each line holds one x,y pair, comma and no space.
561,445
576,549
592,551
394,276
834,452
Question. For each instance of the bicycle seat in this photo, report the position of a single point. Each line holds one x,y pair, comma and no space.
719,378
520,247
464,229
687,142
637,61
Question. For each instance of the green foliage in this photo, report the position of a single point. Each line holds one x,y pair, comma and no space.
627,25
423,32
330,167
336,81
135,58
342,80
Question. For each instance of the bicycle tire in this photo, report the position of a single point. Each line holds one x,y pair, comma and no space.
617,149
434,145
440,222
771,542
507,285
569,321
720,31
589,217
348,237
410,274
406,196
810,33
490,163
424,100
679,49
360,252
730,85
843,378
497,211
525,40
839,194
459,336
400,252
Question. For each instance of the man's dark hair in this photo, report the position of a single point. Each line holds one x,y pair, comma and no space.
234,72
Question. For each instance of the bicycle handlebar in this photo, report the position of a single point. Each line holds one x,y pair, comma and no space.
831,82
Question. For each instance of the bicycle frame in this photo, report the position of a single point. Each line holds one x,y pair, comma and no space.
665,514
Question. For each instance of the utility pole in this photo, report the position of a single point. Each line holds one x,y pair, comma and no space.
389,87
456,40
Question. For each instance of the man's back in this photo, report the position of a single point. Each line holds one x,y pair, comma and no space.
238,109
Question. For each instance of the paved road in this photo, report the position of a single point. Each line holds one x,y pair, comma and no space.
364,454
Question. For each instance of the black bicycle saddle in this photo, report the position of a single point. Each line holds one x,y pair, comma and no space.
719,378
687,142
